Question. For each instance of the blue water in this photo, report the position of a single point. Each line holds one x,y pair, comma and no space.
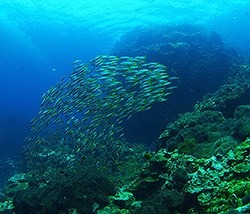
39,40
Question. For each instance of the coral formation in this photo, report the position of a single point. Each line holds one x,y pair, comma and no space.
187,184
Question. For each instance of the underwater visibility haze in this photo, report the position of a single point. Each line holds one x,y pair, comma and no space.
143,104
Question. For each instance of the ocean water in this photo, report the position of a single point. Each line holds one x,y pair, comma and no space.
40,39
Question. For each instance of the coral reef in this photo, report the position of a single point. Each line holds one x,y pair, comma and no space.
200,162
181,183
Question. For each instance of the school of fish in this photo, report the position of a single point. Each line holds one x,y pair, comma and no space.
90,106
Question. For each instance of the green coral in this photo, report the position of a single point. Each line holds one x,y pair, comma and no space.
216,184
6,205
221,184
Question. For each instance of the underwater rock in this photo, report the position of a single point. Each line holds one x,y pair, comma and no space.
84,194
206,133
199,59
242,111
243,129
232,94
180,177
